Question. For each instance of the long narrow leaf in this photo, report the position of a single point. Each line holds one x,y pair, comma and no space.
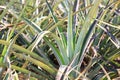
70,46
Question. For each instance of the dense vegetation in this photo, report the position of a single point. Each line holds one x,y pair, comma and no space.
59,39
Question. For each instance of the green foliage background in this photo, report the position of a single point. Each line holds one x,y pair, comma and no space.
59,39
